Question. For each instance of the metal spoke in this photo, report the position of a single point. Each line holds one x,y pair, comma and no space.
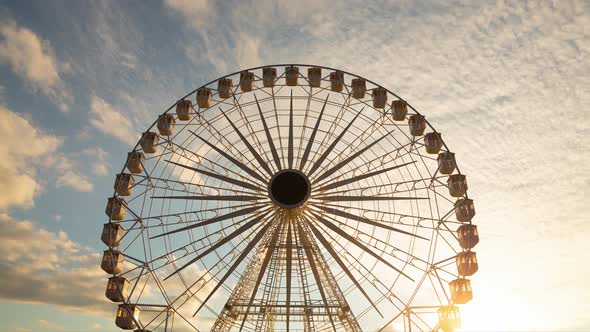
213,220
223,241
258,158
269,138
343,266
363,210
360,177
384,243
236,162
365,198
237,198
323,157
237,262
365,220
349,159
289,270
227,179
312,136
269,252
356,242
314,270
290,146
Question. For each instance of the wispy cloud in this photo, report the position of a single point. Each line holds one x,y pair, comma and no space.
110,121
33,59
221,40
196,13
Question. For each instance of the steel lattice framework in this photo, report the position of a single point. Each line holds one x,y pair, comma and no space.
303,198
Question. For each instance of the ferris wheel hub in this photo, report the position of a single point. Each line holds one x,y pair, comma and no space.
289,188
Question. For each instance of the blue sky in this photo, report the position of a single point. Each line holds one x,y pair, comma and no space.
507,84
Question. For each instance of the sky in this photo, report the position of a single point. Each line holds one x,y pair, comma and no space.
507,84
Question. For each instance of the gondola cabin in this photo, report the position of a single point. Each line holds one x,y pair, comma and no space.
464,209
183,110
291,75
449,318
127,314
379,97
461,292
124,184
269,76
246,81
112,233
457,185
112,261
314,75
135,162
117,289
149,142
224,87
116,208
399,110
433,142
468,236
337,81
166,124
204,97
466,263
359,88
417,125
446,163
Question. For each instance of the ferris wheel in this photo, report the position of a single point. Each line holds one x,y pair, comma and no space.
290,198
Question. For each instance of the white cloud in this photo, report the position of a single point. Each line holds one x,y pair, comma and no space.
96,326
75,181
45,267
97,158
33,158
33,59
40,266
110,121
47,325
22,189
100,169
22,146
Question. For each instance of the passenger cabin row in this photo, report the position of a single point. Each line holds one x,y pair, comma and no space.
117,289
314,78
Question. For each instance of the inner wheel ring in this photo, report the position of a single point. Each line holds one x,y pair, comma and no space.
289,188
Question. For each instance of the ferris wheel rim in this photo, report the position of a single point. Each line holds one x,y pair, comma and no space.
275,66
